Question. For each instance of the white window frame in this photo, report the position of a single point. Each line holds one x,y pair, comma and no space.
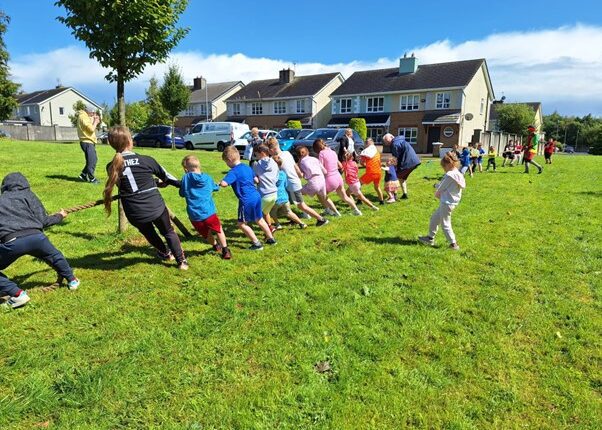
346,109
256,108
202,109
409,102
279,107
443,104
482,106
236,109
300,106
409,133
380,107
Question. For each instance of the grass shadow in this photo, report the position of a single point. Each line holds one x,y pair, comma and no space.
65,178
590,193
392,241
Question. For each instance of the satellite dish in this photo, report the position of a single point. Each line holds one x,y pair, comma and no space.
468,116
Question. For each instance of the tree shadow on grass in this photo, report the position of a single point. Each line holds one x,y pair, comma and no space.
590,193
392,241
65,178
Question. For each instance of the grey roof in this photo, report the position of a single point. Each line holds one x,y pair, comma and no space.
213,92
441,117
440,75
39,96
493,112
272,88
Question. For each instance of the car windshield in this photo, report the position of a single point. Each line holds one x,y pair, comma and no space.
287,134
246,136
303,134
323,133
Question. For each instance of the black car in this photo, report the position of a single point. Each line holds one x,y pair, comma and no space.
332,138
158,136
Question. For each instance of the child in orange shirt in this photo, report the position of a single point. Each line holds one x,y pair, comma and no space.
370,157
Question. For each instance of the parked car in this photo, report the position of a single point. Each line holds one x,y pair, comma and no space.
242,142
158,136
569,149
5,134
286,136
331,137
104,138
214,135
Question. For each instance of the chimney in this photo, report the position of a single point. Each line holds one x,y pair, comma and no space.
408,64
287,76
199,83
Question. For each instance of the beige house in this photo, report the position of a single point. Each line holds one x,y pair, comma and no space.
536,106
444,102
270,103
51,107
207,102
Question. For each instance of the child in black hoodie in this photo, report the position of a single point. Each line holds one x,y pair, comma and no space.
22,219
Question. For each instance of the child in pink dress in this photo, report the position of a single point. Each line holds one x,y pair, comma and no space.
334,180
352,178
311,169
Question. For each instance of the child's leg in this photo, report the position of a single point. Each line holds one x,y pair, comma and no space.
210,238
404,187
494,166
163,223
265,227
364,199
248,231
293,217
8,287
41,247
434,222
221,238
379,191
445,215
343,195
327,203
309,211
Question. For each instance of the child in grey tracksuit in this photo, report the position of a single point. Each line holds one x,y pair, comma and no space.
449,193
22,219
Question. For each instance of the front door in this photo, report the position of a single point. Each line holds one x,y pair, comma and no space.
433,136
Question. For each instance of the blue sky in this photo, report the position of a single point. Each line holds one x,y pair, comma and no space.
247,39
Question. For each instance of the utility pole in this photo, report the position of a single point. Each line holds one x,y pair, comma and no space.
577,139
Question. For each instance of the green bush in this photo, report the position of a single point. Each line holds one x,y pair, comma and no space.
294,123
592,137
359,125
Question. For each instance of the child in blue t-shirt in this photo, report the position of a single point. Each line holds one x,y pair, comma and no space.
282,207
465,161
198,188
480,157
241,178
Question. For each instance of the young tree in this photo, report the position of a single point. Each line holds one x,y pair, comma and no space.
174,96
157,114
8,89
515,118
136,115
125,36
77,106
359,125
294,124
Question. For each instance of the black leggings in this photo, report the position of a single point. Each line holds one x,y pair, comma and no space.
163,224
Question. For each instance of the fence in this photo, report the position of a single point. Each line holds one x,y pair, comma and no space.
498,140
41,132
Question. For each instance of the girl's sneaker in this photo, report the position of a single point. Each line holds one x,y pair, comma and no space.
328,211
454,247
183,265
391,201
18,301
427,240
226,254
166,256
302,225
271,241
256,247
304,215
357,212
277,226
73,284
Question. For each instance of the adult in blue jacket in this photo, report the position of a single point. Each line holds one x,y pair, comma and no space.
407,160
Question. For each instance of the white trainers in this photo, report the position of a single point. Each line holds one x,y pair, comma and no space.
427,240
72,285
328,211
304,216
375,208
454,247
17,302
357,212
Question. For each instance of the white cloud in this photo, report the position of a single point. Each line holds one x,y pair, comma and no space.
555,66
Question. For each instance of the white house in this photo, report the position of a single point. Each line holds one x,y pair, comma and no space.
51,107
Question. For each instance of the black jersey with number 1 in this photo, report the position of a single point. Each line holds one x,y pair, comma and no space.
141,199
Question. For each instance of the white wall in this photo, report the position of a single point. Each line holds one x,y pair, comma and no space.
474,92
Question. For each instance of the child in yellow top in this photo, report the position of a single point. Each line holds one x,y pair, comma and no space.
491,154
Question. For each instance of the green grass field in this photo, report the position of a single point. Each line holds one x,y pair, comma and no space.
351,326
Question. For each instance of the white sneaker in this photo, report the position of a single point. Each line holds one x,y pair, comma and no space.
375,208
427,240
72,285
357,212
17,302
304,215
328,211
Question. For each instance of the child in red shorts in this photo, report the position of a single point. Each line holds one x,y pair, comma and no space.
197,188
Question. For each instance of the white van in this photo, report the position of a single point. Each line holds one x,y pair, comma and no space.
214,135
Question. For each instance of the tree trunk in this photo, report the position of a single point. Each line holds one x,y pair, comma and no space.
173,132
123,222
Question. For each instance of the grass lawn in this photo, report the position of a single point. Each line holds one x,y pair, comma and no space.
350,326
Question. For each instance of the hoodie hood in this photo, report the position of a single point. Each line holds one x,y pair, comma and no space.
14,182
457,177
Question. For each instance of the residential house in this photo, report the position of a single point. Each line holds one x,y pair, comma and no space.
270,103
536,106
207,102
51,107
444,102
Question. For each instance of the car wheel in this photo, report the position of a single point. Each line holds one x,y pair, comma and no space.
220,146
157,144
189,146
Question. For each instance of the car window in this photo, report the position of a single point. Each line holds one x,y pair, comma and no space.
304,134
356,137
222,127
323,133
197,128
247,135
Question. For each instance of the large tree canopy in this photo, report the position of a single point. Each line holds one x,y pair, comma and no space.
8,89
515,118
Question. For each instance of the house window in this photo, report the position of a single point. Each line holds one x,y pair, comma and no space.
376,134
279,107
203,109
300,106
376,104
236,109
410,134
346,105
256,108
61,111
409,102
189,111
443,100
482,106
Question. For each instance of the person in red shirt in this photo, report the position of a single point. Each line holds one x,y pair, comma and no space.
549,150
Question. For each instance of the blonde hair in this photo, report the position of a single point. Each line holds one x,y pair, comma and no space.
278,160
392,161
369,140
450,159
191,162
272,143
119,138
230,154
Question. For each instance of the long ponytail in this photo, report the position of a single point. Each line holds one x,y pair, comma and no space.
119,138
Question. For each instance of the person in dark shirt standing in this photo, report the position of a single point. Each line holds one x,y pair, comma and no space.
143,205
407,160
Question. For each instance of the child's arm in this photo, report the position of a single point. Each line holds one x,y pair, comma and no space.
162,174
339,165
256,179
40,213
298,170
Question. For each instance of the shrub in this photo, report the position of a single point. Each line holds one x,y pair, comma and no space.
294,123
359,125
